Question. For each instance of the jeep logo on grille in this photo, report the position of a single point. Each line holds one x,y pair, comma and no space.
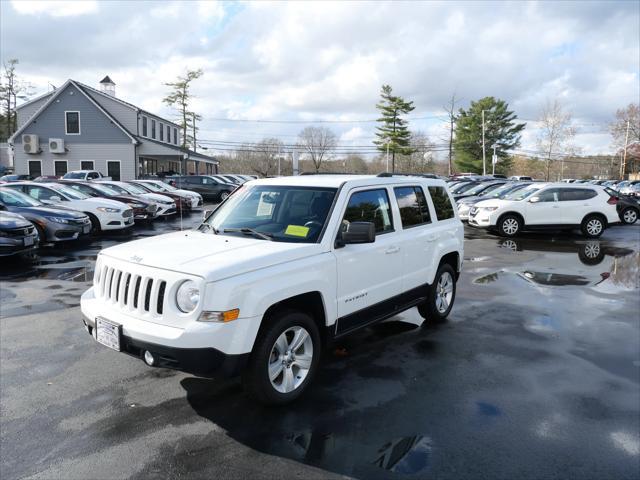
136,259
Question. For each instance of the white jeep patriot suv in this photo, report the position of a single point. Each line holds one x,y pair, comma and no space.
279,269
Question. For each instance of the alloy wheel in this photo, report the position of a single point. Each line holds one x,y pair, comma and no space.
594,226
630,216
290,359
444,292
510,226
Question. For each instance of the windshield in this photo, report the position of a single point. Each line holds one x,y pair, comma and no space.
12,198
463,187
506,189
482,188
74,175
105,189
282,213
135,189
68,192
523,193
153,186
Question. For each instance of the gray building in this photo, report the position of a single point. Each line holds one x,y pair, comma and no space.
77,127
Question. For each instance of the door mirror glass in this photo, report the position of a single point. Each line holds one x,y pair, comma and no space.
55,198
535,199
359,232
206,214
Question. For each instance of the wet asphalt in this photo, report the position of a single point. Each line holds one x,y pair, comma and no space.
535,375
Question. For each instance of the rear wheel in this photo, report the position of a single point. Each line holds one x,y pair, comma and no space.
509,225
592,226
441,295
95,223
224,196
284,358
629,215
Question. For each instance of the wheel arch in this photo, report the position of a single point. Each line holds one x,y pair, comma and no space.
311,303
453,259
602,217
515,214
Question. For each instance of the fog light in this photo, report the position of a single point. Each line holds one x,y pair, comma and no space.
148,358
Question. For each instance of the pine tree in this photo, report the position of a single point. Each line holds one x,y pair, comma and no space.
180,98
501,130
393,135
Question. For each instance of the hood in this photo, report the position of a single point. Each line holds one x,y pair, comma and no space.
494,202
96,202
156,197
213,257
13,220
51,212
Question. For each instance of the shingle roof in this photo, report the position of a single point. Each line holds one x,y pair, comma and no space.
107,80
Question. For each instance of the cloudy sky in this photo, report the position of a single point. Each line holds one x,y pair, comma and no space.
308,61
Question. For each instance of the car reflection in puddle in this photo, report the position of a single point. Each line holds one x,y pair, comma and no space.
406,455
565,263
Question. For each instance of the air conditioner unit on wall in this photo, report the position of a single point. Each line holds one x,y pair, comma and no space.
56,145
30,144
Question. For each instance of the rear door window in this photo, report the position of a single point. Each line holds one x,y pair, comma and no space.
370,206
413,206
442,203
576,194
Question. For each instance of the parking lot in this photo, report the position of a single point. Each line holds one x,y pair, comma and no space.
536,374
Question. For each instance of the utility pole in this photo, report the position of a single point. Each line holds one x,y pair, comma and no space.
494,159
624,158
387,156
484,155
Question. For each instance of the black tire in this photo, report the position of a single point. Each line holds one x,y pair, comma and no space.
223,196
432,310
593,226
591,253
509,225
42,235
95,223
629,215
256,379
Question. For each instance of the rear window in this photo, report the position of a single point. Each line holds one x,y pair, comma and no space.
574,194
441,202
413,206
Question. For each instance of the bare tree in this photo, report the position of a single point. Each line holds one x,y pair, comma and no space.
318,143
265,157
556,134
450,108
12,89
421,159
618,128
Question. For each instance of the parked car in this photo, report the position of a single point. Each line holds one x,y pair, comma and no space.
462,187
481,188
234,179
223,179
53,224
627,206
166,205
520,178
16,178
627,187
181,201
465,204
103,213
143,209
548,206
205,185
253,289
158,186
634,190
46,178
85,175
17,235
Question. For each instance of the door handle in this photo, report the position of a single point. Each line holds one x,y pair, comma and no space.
391,250
431,238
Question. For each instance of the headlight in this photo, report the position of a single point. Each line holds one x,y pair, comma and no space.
489,209
58,219
108,210
188,296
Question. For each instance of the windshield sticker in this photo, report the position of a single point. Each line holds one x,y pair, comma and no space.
297,231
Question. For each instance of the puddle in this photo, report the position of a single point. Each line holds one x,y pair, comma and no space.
406,455
488,410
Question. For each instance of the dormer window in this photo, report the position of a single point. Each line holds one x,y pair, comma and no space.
168,134
72,123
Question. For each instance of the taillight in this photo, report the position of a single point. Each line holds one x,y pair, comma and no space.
612,200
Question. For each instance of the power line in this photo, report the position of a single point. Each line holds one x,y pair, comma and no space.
374,120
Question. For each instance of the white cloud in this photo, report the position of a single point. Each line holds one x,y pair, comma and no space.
54,8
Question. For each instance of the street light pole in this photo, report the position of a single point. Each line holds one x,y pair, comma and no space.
387,156
484,155
494,160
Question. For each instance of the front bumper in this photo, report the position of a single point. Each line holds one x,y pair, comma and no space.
16,245
166,209
115,221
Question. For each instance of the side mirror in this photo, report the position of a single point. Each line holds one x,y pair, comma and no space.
535,199
55,198
359,232
206,214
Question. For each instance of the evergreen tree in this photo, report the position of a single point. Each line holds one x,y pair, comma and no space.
393,134
180,98
501,130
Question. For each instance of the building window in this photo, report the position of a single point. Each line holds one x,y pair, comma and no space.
161,132
72,123
60,167
168,134
87,165
35,168
113,169
144,126
175,136
153,129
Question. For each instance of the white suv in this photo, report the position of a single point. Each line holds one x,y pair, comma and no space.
548,205
277,271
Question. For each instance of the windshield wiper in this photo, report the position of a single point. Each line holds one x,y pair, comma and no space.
249,231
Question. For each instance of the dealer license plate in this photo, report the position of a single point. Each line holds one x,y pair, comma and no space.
86,229
108,333
28,241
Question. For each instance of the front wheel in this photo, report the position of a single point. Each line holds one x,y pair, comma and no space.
509,226
284,358
592,226
95,223
441,295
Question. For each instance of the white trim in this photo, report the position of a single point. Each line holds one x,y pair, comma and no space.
66,128
106,166
39,160
93,165
54,166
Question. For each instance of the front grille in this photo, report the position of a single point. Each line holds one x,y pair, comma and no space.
127,213
152,208
79,221
130,291
19,232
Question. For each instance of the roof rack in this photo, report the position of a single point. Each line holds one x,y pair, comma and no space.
397,174
331,173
